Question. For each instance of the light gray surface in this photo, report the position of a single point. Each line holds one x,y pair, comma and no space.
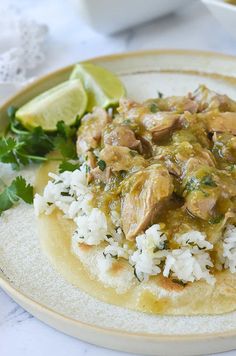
70,41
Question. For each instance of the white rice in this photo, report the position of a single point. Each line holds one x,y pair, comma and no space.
68,192
91,229
229,246
149,254
190,262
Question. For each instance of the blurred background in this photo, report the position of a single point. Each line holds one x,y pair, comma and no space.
38,36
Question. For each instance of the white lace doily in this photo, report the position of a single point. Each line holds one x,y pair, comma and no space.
21,45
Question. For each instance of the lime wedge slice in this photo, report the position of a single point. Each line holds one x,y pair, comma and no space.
65,102
103,88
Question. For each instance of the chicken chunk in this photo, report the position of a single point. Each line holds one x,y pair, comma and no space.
210,100
90,131
121,135
222,122
144,194
159,123
121,158
177,104
193,163
225,146
99,175
200,205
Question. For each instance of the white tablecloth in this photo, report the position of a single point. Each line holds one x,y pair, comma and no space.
69,41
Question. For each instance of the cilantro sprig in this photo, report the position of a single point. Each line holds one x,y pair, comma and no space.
20,147
68,166
18,189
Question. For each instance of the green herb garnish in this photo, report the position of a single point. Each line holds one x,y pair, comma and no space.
127,121
178,281
208,180
18,189
153,108
132,153
192,184
68,166
216,219
102,165
135,274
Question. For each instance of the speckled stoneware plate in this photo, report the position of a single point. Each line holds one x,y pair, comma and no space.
27,276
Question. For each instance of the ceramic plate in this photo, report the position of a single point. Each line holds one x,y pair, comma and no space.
27,276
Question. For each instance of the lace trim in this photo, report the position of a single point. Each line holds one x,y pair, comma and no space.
26,46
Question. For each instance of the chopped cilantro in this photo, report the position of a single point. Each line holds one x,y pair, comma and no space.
208,180
102,165
135,274
178,281
113,256
132,153
192,184
65,194
87,168
123,173
153,108
165,245
216,219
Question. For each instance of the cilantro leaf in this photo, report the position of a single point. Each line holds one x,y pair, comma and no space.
216,219
23,190
65,131
65,140
18,189
68,166
192,184
208,180
154,108
102,165
66,147
37,142
8,151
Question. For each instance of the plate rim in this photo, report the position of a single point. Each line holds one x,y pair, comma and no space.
23,299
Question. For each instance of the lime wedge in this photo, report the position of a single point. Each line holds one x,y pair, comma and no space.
65,102
103,88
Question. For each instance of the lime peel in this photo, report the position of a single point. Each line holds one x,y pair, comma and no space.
103,88
64,102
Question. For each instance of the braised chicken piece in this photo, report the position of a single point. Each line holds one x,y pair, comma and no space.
177,104
143,195
183,157
225,146
158,123
90,131
200,205
122,158
121,135
209,100
222,122
100,175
